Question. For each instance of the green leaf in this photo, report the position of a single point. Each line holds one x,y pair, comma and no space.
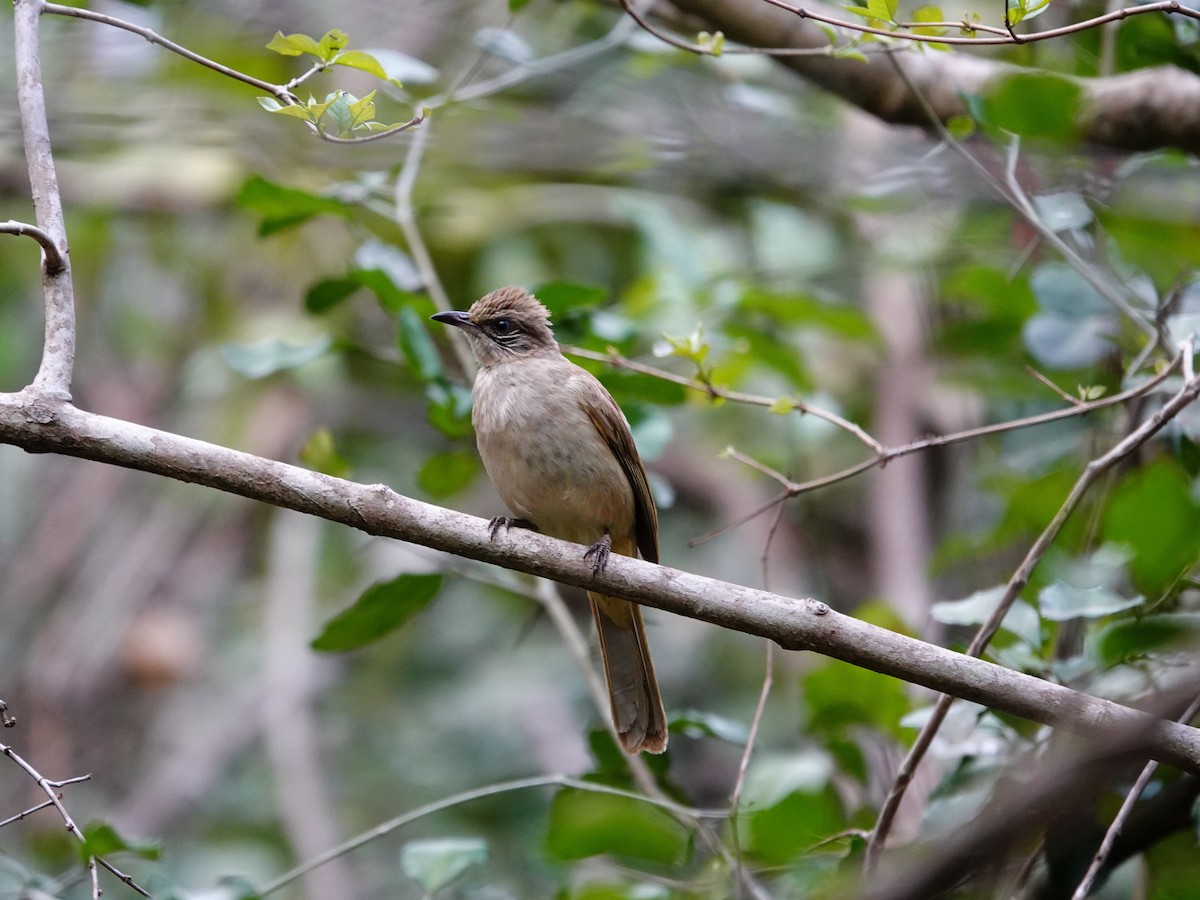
362,111
435,863
884,10
585,823
806,311
294,44
635,387
772,777
696,723
380,610
1035,104
839,696
271,355
1152,512
1020,620
417,346
567,299
325,295
444,474
1063,211
357,59
1061,602
332,42
283,207
320,454
338,112
101,839
449,408
1132,639
292,111
782,406
789,804
517,5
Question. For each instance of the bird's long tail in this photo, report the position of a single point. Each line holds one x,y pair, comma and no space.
637,708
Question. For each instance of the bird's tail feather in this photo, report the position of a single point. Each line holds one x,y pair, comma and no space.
637,708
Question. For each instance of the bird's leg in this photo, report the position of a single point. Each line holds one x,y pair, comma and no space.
600,550
507,522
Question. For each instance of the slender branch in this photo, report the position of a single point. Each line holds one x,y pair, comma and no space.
280,92
1123,814
492,790
376,135
1016,583
55,801
58,351
52,259
21,815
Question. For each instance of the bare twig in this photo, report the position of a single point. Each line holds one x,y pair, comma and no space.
50,788
280,92
21,815
889,453
52,259
492,790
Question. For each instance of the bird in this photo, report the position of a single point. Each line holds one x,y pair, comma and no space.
562,457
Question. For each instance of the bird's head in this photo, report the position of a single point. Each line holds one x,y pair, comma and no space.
506,324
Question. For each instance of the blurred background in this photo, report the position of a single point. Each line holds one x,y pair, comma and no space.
241,282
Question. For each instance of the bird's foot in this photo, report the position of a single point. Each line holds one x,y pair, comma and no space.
507,522
599,553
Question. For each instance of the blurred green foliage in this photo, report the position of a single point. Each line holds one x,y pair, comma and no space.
242,282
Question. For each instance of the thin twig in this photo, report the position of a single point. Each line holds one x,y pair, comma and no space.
492,790
21,815
280,92
1123,814
1016,583
52,258
1054,387
375,135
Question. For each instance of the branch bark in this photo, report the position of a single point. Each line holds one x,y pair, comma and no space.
1144,110
42,423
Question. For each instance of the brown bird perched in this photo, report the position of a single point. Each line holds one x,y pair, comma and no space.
559,451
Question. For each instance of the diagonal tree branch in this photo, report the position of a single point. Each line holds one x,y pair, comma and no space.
45,424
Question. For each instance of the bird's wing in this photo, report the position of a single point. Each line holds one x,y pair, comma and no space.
610,423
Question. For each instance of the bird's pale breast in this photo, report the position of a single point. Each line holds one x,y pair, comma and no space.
544,454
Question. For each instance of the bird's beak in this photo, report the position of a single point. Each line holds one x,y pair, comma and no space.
456,318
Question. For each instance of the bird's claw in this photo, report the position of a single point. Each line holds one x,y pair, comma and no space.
599,553
508,522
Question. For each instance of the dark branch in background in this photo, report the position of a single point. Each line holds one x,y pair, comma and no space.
40,424
1018,807
1144,110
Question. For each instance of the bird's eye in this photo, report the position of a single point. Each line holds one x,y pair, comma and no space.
503,326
